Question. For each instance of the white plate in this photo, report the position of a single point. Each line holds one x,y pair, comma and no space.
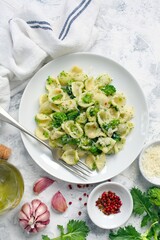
93,65
113,220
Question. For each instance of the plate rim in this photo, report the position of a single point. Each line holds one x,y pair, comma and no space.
81,181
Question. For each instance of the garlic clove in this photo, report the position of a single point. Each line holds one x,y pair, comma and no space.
26,209
44,217
35,203
42,208
40,226
34,217
59,203
23,223
22,215
41,184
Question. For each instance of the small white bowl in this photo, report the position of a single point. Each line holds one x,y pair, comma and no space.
152,180
114,220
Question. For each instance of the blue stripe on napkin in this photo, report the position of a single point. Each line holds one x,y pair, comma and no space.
72,20
70,15
37,24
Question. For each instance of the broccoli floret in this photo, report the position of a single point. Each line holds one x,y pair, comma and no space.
68,90
112,124
116,137
66,139
154,195
58,119
49,80
87,98
94,111
73,114
57,97
95,150
109,90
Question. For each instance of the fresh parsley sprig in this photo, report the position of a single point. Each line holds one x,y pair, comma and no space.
76,230
149,210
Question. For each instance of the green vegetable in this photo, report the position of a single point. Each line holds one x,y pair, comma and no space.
94,111
127,233
116,137
68,90
114,107
63,74
95,150
73,114
58,118
149,210
76,230
109,90
154,195
46,134
66,139
112,124
49,80
87,98
57,97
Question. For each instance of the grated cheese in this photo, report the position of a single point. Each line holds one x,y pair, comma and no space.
151,161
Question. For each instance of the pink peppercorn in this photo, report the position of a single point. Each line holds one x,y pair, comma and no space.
79,213
109,203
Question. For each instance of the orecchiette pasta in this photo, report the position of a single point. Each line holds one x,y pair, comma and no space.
83,117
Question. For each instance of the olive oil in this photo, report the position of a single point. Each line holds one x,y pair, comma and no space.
11,186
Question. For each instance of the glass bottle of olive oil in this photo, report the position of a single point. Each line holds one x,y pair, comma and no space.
11,186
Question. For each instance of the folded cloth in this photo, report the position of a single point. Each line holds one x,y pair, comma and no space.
32,39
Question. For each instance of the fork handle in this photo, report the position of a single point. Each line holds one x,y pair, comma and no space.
5,117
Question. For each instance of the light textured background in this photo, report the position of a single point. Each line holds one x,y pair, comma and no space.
129,33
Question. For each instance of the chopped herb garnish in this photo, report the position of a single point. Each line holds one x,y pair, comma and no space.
109,90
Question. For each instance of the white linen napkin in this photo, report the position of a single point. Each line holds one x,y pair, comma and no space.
32,39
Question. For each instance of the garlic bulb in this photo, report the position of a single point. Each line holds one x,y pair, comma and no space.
34,217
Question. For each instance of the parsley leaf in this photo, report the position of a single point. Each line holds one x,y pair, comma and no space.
142,205
150,212
127,233
76,230
44,237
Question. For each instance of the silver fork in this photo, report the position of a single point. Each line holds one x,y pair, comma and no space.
80,169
